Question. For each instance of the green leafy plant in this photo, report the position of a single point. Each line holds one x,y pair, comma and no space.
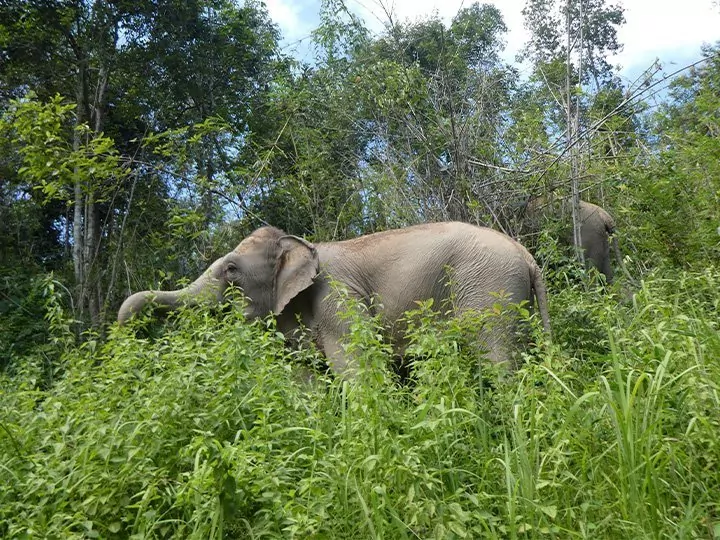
202,428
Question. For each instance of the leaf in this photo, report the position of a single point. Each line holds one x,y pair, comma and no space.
370,462
458,528
550,510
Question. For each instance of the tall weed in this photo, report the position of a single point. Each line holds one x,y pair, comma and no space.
203,429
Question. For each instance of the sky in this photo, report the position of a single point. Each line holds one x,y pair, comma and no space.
671,30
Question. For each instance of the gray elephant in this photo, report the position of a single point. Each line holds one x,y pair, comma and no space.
597,229
291,278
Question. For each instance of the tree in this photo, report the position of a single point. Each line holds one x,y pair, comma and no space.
674,198
433,96
210,59
306,173
569,43
85,35
131,69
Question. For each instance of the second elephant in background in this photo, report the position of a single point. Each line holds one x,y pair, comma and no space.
597,228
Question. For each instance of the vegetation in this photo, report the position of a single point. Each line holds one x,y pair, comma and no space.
204,430
140,140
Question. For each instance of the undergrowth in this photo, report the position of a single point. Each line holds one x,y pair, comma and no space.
206,429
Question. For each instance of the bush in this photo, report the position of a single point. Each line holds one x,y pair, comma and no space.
204,430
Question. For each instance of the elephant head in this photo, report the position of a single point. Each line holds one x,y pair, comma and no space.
269,267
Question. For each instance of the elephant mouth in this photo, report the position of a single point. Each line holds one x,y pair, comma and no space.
236,298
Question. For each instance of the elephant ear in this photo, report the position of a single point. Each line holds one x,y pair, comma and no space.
297,267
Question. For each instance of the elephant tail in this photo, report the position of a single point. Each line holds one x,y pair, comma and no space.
538,287
611,230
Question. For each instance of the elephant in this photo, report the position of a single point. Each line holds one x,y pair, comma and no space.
388,271
597,228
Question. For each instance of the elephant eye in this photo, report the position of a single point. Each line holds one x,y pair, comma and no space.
231,270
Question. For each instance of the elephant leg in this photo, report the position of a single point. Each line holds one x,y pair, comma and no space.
607,269
305,377
332,330
499,336
497,332
600,260
338,360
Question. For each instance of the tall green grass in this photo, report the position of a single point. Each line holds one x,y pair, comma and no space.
204,428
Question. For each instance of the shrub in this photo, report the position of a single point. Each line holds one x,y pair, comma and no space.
202,429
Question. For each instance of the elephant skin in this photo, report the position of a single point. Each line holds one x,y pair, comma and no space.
597,228
291,278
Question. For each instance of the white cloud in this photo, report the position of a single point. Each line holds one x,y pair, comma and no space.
287,14
668,29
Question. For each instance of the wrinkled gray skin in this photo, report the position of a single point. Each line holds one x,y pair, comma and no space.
290,277
596,232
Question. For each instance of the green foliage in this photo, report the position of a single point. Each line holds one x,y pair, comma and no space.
21,311
205,431
110,78
549,22
49,162
36,330
433,97
672,204
579,321
307,176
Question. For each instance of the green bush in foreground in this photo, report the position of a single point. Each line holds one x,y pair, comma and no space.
206,431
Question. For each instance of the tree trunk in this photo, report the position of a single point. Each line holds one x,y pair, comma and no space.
573,131
90,273
79,192
86,217
93,234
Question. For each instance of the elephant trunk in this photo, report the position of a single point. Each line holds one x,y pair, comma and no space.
205,289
